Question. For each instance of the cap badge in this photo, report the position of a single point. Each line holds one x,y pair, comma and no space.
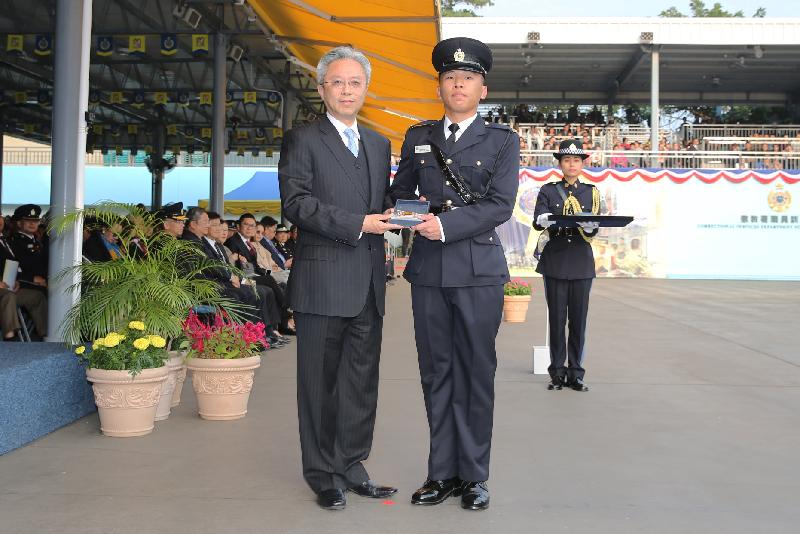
459,55
573,148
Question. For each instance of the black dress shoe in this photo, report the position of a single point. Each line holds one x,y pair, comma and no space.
373,491
474,496
436,491
577,384
331,499
556,383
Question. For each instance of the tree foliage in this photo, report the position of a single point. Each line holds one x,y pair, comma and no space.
451,8
698,8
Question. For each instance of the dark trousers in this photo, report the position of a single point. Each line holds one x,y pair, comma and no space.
567,302
455,330
337,394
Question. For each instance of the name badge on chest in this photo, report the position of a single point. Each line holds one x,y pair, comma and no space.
422,149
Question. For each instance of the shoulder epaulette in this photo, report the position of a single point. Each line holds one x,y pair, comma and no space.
423,123
498,126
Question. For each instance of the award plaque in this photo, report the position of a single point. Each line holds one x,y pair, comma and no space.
602,220
406,212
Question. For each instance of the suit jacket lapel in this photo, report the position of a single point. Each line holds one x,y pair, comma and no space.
472,136
329,137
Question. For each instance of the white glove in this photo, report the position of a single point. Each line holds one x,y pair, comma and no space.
589,226
542,220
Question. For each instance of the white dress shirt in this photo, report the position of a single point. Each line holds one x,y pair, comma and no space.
341,127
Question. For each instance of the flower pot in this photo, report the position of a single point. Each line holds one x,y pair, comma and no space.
180,377
515,307
126,404
174,364
223,386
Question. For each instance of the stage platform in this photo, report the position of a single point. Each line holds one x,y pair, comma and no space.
691,426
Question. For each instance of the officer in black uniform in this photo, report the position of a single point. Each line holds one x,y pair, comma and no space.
457,269
567,264
28,249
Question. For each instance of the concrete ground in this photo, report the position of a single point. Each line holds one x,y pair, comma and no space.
691,425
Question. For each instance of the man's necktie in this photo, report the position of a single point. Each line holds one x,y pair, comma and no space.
451,139
352,141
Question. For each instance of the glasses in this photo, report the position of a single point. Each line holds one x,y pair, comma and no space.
248,225
338,85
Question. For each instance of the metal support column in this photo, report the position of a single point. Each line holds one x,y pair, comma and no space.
655,55
156,158
216,201
70,100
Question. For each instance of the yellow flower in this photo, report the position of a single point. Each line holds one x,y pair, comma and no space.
80,350
136,325
157,341
112,340
100,342
141,343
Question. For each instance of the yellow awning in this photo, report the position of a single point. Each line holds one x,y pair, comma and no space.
397,36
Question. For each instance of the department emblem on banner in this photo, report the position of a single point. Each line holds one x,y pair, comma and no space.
205,133
188,131
526,202
97,129
169,44
136,45
172,129
779,200
200,44
21,97
205,98
43,97
44,45
249,97
138,99
260,134
133,129
105,45
183,98
94,97
273,100
160,98
14,44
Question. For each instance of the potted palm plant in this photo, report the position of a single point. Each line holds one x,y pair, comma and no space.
152,278
223,358
516,298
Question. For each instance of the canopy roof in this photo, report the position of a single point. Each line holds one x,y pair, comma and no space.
397,36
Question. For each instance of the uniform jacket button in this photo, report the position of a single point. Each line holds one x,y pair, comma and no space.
478,163
449,161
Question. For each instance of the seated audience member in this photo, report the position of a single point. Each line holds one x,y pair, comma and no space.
29,250
281,238
291,243
103,244
31,300
240,244
197,231
264,258
231,227
270,230
173,219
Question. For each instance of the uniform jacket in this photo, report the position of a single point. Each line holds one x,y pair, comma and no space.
568,255
320,193
31,255
472,254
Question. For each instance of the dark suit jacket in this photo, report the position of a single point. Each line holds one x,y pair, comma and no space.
472,254
332,267
220,275
235,244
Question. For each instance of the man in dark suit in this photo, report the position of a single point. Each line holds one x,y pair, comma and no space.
567,264
457,269
270,231
334,176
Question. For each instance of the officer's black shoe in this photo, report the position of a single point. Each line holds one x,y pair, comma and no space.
474,496
436,491
331,499
556,383
372,490
577,384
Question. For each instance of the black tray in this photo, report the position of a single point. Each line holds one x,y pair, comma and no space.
603,220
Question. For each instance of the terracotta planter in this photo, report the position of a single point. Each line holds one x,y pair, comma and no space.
126,405
174,364
515,308
223,386
180,377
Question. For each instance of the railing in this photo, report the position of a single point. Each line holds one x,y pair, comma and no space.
604,135
683,159
43,156
691,131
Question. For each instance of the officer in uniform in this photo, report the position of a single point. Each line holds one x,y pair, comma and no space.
28,249
173,218
567,264
468,170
